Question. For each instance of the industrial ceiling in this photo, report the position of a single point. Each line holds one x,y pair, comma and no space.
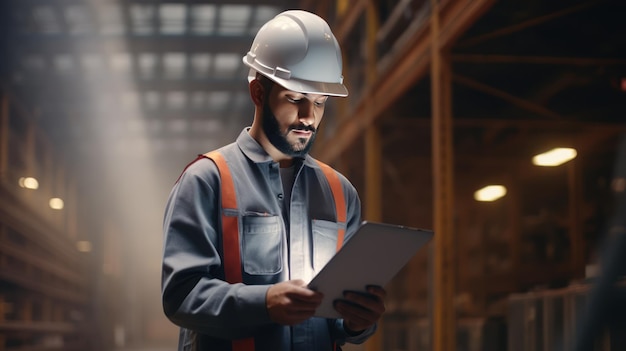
125,88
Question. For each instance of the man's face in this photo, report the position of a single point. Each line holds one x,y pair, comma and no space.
290,119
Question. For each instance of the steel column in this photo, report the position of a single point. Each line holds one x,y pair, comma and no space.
373,148
4,135
575,189
444,323
373,179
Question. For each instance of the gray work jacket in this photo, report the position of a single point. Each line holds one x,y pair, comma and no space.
277,244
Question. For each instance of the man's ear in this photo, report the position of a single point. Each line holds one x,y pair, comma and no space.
257,92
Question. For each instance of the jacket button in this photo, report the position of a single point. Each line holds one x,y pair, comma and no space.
280,196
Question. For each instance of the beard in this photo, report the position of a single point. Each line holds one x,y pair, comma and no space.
278,138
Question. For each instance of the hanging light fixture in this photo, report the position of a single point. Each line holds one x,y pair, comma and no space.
554,157
490,193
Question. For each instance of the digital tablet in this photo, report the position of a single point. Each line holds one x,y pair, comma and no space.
372,256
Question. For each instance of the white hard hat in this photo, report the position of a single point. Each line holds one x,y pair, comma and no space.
297,50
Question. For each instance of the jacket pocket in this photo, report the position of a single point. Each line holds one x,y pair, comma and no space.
324,242
262,245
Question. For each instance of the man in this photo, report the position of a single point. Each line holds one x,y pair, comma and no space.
236,262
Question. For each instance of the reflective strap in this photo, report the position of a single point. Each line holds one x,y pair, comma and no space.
340,201
340,206
230,224
230,235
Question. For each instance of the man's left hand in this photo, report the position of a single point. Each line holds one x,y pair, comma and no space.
361,310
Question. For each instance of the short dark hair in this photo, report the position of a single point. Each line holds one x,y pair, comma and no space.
266,83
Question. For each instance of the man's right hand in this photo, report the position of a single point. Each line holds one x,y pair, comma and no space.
291,302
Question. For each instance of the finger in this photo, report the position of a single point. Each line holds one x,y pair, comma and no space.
304,294
365,300
355,310
355,317
377,290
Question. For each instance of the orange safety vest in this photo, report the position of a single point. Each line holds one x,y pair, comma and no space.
230,226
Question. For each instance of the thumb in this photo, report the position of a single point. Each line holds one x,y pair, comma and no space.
298,282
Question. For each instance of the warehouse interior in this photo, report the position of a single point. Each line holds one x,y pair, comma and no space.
103,103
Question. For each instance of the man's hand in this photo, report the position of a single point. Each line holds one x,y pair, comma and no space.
361,310
291,302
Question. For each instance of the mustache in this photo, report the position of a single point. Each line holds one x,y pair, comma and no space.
303,127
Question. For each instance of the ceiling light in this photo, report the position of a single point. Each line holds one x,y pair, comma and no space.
28,183
56,203
83,246
554,157
490,193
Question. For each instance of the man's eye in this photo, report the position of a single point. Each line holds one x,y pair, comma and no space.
293,100
320,103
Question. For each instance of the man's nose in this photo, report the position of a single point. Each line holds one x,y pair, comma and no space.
306,112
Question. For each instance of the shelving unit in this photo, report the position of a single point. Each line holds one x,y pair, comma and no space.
44,286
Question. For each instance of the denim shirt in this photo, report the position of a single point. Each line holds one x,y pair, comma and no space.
274,247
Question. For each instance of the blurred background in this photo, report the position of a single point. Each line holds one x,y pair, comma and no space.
495,123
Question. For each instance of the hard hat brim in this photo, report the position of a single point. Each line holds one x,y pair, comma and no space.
305,86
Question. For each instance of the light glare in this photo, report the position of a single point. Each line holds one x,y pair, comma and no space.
28,183
554,157
490,193
56,203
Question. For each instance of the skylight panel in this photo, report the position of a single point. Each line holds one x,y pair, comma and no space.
178,144
136,126
159,145
173,18
91,63
200,65
234,19
46,20
121,62
226,64
142,17
130,100
218,100
147,63
63,63
198,100
203,19
241,99
262,15
77,20
152,100
176,100
110,19
174,65
177,126
154,126
34,62
210,125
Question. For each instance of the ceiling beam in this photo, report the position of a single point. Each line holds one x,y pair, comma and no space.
346,23
404,70
526,24
541,60
514,100
556,84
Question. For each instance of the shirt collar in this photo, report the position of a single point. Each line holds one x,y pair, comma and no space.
255,152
